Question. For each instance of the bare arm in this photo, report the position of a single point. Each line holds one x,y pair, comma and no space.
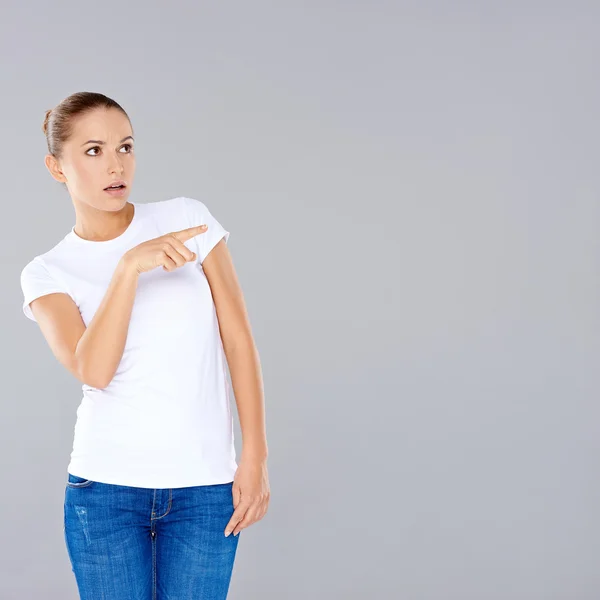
91,354
101,347
242,355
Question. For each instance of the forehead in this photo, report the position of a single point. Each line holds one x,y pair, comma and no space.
101,124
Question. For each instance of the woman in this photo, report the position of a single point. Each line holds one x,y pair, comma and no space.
153,489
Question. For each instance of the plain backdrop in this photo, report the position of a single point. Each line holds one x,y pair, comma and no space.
412,193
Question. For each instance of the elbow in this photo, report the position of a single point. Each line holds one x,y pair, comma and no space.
98,386
95,382
88,377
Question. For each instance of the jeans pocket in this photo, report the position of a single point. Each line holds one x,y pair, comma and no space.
74,481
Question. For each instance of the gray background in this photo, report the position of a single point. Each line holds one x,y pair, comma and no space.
412,194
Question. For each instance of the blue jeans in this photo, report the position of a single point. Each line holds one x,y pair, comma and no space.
132,543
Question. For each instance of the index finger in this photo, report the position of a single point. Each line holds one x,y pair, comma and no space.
186,234
238,514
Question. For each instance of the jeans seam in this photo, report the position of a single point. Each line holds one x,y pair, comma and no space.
73,484
168,507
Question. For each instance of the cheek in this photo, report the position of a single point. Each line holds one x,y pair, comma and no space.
129,163
86,174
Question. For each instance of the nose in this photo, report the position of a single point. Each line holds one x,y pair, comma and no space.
116,166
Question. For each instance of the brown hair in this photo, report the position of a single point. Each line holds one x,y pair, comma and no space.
58,121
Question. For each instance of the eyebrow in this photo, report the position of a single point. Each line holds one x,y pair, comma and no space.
101,142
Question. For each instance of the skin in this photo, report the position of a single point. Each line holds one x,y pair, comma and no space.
93,353
87,168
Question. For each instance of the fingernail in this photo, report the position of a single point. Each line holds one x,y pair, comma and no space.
227,533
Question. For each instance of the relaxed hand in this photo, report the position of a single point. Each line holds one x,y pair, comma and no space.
251,494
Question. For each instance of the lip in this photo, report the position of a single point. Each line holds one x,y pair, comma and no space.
116,182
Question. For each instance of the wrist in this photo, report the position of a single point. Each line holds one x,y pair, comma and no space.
254,454
126,266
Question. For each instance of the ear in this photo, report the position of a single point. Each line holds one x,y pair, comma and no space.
54,167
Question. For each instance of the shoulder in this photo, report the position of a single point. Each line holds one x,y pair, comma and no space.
36,266
192,206
37,279
199,210
48,263
198,213
177,206
186,203
45,263
44,270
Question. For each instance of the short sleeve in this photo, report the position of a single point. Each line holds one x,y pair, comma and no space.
198,214
36,281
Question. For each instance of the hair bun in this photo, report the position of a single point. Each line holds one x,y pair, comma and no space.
45,123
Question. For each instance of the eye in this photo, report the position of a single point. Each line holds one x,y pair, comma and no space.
98,148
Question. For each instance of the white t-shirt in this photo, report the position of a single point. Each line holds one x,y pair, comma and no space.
165,419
